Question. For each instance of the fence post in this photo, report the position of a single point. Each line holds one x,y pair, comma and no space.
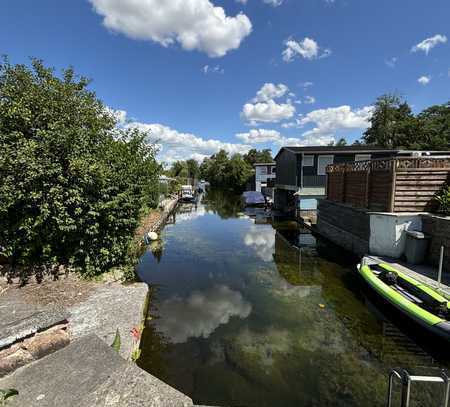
368,175
393,180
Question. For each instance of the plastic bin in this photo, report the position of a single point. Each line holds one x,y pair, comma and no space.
416,246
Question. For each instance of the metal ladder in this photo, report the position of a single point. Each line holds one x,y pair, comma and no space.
406,379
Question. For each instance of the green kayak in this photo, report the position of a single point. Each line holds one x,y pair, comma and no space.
414,299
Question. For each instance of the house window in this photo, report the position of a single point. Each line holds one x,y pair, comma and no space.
308,160
363,157
323,161
274,170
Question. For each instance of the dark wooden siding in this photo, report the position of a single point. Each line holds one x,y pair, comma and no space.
286,173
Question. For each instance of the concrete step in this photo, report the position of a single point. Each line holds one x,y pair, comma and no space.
89,373
19,320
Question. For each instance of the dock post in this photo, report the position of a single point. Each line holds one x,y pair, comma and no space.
441,261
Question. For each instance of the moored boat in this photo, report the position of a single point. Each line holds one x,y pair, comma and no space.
412,298
187,193
253,198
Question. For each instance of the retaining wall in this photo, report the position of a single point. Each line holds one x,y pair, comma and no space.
438,227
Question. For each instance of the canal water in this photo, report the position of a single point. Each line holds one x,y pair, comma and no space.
250,311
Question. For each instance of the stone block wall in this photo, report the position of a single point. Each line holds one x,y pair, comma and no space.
438,227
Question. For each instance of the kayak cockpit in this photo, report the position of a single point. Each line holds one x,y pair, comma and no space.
412,290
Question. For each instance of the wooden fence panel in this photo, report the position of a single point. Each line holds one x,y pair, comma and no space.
356,188
402,184
380,190
415,190
335,189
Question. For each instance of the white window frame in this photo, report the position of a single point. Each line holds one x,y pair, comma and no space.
304,163
363,157
318,163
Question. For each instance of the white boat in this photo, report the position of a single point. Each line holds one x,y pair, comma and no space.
187,193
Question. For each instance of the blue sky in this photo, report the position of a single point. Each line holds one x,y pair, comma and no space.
201,75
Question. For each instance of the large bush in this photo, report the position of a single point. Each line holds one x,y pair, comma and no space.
72,184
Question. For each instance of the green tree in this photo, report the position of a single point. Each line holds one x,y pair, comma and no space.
221,171
392,124
72,184
193,169
254,156
434,128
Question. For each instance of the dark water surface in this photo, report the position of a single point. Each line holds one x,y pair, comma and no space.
252,312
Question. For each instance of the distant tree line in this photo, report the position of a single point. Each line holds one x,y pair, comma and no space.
222,170
73,185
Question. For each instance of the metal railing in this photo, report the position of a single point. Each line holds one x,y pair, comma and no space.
406,381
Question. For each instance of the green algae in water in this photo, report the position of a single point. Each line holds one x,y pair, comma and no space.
242,317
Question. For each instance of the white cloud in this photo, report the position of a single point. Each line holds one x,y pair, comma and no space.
391,62
201,313
328,121
270,91
274,3
175,145
213,69
306,48
194,24
305,85
267,112
428,44
424,80
309,100
255,136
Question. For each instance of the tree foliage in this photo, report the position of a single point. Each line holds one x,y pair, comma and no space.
222,171
393,125
254,156
72,184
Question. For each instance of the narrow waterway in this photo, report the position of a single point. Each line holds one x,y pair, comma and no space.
252,312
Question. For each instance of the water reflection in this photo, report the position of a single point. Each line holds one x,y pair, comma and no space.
255,312
200,313
262,240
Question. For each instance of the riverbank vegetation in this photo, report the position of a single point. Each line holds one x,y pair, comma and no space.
232,172
73,185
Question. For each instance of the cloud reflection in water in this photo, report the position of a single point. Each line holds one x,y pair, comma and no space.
262,240
201,313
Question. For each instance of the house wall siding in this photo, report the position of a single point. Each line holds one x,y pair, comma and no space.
286,173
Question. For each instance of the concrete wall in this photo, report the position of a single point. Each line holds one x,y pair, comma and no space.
387,232
439,229
363,232
345,226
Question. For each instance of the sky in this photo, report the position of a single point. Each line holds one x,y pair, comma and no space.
205,75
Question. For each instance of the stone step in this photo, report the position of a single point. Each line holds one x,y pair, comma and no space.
89,373
19,320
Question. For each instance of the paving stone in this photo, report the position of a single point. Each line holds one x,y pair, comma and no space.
89,373
19,319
